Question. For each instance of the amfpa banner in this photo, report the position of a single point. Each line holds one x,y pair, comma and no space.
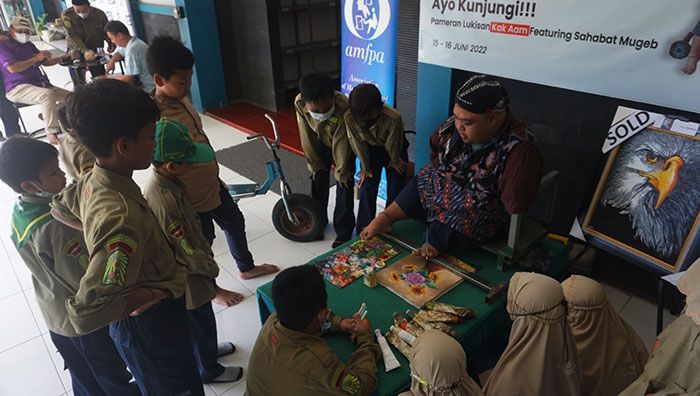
369,45
632,49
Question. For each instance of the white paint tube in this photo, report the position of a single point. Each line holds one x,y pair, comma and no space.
390,361
404,335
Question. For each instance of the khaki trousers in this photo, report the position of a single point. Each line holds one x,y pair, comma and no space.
46,97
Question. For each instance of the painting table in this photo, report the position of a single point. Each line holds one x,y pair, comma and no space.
484,338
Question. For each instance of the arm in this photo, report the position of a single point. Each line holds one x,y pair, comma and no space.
359,147
51,61
342,156
116,58
20,66
394,141
359,375
197,260
308,144
520,181
62,218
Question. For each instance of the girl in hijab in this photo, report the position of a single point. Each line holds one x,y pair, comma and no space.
674,366
540,358
611,353
439,367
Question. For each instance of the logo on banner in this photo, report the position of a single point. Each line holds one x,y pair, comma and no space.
367,19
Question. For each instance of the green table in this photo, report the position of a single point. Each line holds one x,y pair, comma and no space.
484,337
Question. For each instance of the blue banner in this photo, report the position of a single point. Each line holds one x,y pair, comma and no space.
368,47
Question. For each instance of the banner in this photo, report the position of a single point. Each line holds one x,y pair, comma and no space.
639,50
368,45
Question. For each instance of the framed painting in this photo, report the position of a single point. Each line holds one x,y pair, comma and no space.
646,203
344,266
417,282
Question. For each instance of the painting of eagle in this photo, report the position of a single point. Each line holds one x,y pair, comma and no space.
649,197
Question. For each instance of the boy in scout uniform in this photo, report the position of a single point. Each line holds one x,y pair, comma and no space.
56,256
85,28
320,110
376,135
171,64
175,152
133,281
290,358
75,157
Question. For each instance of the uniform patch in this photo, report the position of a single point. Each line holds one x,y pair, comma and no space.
121,242
346,382
177,231
74,249
186,247
115,272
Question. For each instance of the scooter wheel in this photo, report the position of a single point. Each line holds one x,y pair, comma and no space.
309,213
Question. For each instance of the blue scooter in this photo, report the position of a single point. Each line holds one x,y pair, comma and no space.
297,217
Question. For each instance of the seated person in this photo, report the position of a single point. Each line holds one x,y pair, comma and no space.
24,81
376,135
291,358
484,166
611,353
540,358
133,51
674,364
439,367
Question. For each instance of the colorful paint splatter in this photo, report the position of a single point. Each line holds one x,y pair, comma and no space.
348,264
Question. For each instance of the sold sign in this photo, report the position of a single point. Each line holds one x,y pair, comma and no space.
628,127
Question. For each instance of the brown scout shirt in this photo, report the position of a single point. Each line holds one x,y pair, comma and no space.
331,132
57,258
75,156
202,184
85,34
127,248
387,132
292,363
181,225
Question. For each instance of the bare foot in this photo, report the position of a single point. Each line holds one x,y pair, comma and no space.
227,298
53,138
379,224
427,251
259,270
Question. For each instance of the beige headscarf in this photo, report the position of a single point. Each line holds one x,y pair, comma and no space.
540,358
674,368
611,353
439,367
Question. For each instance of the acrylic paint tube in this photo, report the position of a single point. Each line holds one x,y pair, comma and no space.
390,361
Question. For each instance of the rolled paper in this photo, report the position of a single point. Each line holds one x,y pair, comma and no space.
450,309
406,336
398,343
390,361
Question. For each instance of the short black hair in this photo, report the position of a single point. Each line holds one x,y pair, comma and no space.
364,99
106,110
21,159
316,86
116,27
298,294
166,55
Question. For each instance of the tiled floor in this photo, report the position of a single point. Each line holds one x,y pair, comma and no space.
29,364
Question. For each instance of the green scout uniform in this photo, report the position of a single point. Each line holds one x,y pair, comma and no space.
126,245
55,255
181,224
75,157
331,132
292,363
387,132
85,34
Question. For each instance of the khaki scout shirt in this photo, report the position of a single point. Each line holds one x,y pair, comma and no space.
181,225
202,185
331,132
127,248
85,34
55,255
387,132
75,157
292,363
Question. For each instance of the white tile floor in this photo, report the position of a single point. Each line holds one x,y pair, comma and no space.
28,361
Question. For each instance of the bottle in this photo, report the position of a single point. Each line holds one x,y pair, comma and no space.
370,277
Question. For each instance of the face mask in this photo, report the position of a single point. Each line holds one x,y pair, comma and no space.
41,193
322,116
326,325
22,37
83,14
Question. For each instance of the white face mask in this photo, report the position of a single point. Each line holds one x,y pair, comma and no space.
22,37
322,116
41,193
84,14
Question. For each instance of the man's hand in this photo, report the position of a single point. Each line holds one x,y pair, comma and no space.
399,166
158,296
110,66
42,56
345,181
364,174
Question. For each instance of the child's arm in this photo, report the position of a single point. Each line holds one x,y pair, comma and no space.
308,144
190,249
72,223
359,146
394,146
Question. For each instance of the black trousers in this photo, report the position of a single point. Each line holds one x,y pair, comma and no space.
77,74
379,159
94,364
204,342
9,116
344,212
157,348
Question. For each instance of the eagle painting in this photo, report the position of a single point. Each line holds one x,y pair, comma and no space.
652,194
